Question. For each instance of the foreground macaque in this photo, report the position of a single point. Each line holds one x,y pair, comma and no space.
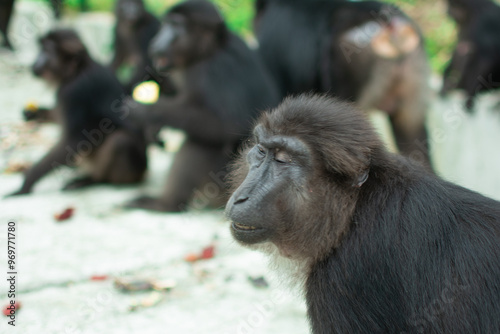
382,245
95,131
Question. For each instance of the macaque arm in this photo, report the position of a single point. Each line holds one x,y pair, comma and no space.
196,120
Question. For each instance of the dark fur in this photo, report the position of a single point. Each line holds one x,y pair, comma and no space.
475,64
220,89
87,94
318,59
399,252
131,40
6,7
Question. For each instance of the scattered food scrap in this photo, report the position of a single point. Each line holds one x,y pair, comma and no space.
136,285
7,309
132,285
31,106
65,215
207,253
191,257
15,136
258,282
165,285
153,299
16,167
147,92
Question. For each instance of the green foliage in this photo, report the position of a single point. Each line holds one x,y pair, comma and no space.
440,45
238,13
94,5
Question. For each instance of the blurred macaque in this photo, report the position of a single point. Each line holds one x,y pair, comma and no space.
475,64
134,30
95,133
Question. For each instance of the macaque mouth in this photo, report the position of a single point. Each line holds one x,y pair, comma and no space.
248,234
242,227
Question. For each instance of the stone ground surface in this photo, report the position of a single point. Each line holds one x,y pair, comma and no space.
55,261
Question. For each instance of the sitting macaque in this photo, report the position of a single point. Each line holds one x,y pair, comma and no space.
96,132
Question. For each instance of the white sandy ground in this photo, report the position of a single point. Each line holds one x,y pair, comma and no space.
56,260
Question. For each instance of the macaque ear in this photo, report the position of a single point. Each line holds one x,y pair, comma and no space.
361,179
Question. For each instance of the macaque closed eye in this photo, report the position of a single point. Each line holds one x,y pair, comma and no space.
282,156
